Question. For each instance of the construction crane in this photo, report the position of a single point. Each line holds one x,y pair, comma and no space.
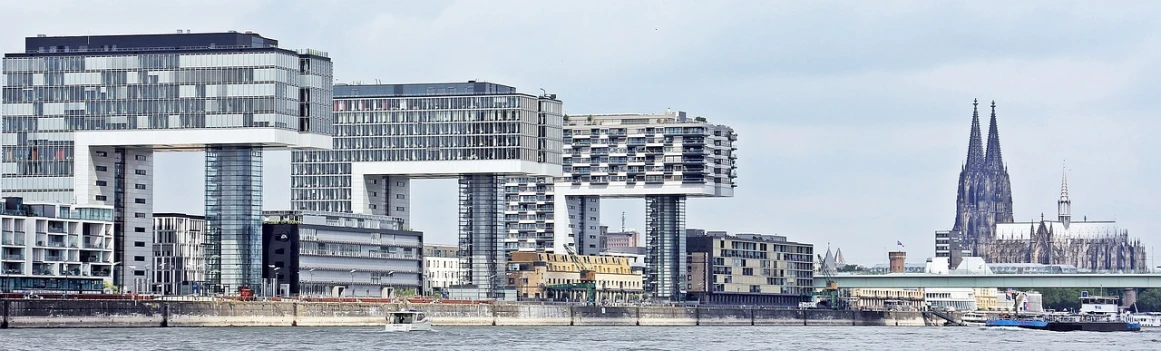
830,292
586,283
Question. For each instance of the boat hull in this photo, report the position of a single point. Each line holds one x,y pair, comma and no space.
417,326
1021,323
1094,326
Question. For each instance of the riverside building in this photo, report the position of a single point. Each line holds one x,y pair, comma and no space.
748,269
55,248
663,158
179,249
476,132
84,116
311,253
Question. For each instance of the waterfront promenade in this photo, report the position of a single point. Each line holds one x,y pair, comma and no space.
47,313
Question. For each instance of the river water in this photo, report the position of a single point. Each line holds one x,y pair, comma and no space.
575,338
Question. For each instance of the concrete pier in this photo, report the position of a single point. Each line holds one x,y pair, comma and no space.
25,313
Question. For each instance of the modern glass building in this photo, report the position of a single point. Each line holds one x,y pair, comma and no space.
663,158
388,134
83,116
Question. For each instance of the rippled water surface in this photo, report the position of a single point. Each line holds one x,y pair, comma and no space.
575,338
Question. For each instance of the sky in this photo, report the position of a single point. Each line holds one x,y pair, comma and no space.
853,116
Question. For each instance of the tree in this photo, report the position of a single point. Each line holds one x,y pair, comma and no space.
1149,300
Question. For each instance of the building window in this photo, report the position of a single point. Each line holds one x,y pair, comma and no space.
139,258
138,244
139,200
139,172
399,196
140,157
102,154
102,169
101,197
399,184
139,229
139,273
139,186
138,215
102,183
374,194
399,208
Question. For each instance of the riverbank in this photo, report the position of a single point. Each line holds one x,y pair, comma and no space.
123,313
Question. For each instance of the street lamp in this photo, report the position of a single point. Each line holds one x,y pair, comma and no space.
351,289
311,281
266,280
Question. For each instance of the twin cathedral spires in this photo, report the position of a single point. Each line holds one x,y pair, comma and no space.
985,191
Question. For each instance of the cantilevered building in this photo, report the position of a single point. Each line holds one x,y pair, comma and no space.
477,132
663,158
83,116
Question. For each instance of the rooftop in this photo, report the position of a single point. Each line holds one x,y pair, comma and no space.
470,87
182,40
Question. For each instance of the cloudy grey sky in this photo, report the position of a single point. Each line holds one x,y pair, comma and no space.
853,115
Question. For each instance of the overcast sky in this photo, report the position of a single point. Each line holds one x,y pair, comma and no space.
852,116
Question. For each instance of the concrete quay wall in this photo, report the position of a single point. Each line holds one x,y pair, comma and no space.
122,313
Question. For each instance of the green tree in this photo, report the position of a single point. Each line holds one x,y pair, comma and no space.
1149,300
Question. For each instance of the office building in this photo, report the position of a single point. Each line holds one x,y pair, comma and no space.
749,269
663,158
555,277
441,268
55,248
85,114
476,132
310,253
178,253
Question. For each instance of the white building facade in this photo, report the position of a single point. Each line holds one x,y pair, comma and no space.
179,257
55,248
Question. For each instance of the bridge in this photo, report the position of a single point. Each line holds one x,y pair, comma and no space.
905,280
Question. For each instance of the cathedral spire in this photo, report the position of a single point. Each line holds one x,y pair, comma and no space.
994,160
975,156
1064,205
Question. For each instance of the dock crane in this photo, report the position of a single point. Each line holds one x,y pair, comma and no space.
830,292
586,283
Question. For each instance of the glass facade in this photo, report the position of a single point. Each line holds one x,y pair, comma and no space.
233,217
665,256
370,127
196,82
481,220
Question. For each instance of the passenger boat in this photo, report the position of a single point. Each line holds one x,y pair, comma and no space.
408,320
974,319
1147,319
1027,321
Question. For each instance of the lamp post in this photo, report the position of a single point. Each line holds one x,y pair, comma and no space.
351,289
311,281
274,284
264,281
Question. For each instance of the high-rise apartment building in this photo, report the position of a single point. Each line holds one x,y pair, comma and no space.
528,221
179,253
83,116
477,132
663,158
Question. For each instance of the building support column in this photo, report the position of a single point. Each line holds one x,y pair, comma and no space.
234,218
481,221
665,261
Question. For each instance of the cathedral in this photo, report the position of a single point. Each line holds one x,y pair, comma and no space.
985,193
1088,245
985,227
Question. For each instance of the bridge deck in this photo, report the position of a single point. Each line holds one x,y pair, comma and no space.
994,280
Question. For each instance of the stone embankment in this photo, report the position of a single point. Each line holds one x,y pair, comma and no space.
122,313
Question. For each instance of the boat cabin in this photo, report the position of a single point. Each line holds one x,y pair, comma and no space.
405,317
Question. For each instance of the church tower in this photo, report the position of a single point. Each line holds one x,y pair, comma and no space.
984,197
1064,205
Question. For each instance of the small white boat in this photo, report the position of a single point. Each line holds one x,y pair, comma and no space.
408,320
974,319
1147,319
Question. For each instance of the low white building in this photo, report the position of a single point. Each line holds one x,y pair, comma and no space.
179,258
55,248
441,268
